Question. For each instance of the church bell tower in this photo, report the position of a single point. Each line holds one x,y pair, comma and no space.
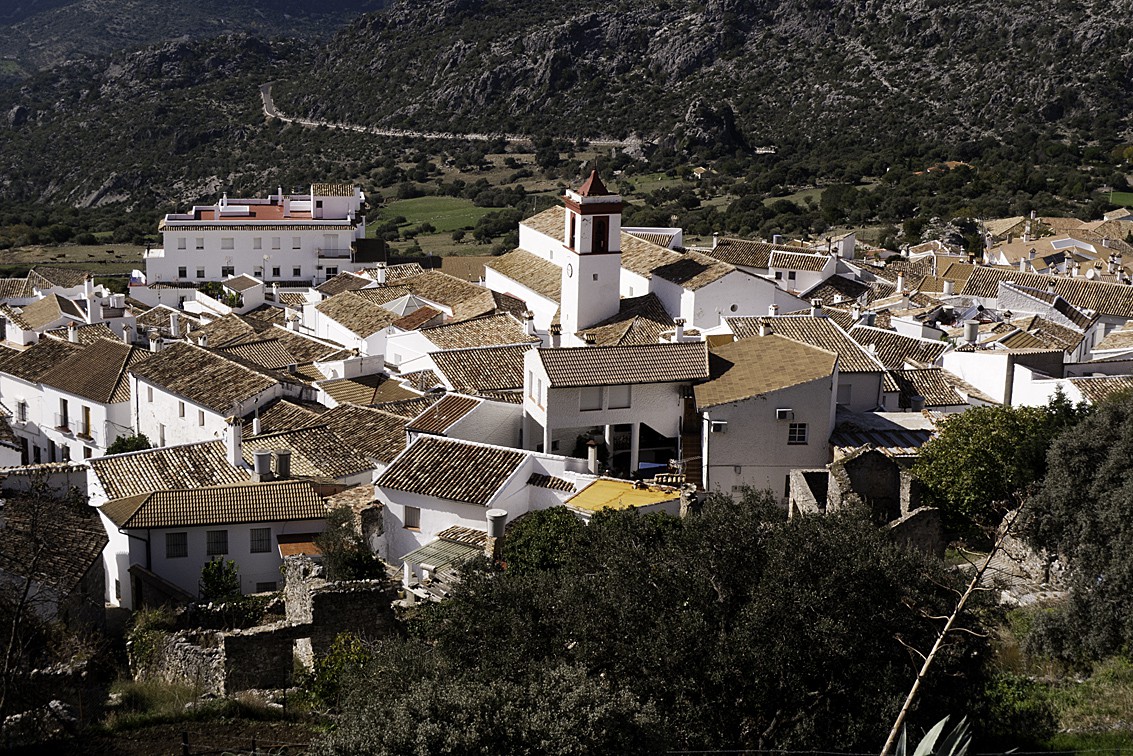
591,281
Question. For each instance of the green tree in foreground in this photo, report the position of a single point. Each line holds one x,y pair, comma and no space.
729,629
1083,513
984,459
124,444
220,580
345,553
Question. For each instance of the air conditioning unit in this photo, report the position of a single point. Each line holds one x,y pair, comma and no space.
719,426
784,414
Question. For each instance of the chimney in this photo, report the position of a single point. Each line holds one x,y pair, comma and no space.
275,292
256,429
529,323
556,335
1050,286
234,442
72,332
764,328
900,282
155,342
175,325
971,331
1022,265
282,464
816,309
127,334
88,287
715,239
872,348
777,240
949,288
773,311
1031,253
592,457
856,311
590,339
293,323
203,340
1008,315
497,520
261,466
1027,234
679,330
916,403
286,207
906,303
870,318
1105,241
382,272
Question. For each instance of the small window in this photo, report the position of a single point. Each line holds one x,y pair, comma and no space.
796,433
718,426
65,453
149,393
227,271
275,242
258,242
778,275
267,587
117,588
22,411
618,397
87,452
201,418
297,272
590,398
413,518
791,276
181,243
216,542
296,242
260,541
176,545
182,272
227,242
161,435
595,276
180,409
332,271
200,272
200,242
275,272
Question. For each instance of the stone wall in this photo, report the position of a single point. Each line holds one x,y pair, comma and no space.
922,529
179,658
808,491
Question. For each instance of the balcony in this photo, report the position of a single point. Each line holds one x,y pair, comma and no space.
63,423
334,254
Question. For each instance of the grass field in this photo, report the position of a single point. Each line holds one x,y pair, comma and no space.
1121,198
447,214
97,258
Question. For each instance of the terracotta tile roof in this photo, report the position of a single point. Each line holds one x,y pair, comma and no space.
267,353
1100,388
97,372
230,329
87,333
752,367
466,300
365,390
187,466
344,282
15,288
280,501
42,312
375,433
359,316
409,408
383,295
1118,338
510,304
422,380
550,222
1050,334
841,286
47,277
316,452
241,283
541,276
454,470
420,317
442,415
333,190
158,317
691,270
202,376
493,330
661,239
38,359
593,186
305,348
466,267
504,397
467,536
550,481
798,261
928,383
893,350
1102,297
75,540
816,331
283,414
394,273
751,254
472,371
607,366
640,320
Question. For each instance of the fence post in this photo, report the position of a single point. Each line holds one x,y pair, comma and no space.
185,743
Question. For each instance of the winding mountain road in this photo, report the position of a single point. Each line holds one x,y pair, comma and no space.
272,112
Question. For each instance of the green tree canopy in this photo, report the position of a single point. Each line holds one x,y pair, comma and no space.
123,444
983,459
1083,512
729,629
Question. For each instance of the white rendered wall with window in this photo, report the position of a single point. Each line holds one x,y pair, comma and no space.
758,441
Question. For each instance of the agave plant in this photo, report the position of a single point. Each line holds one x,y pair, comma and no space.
955,743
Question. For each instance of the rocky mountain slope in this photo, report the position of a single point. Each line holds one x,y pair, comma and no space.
787,70
38,34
